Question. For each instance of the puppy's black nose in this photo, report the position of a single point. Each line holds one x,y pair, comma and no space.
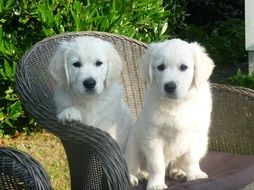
89,83
170,87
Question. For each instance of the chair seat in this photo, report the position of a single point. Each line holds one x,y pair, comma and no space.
225,171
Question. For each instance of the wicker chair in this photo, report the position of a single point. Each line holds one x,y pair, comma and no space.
95,161
20,171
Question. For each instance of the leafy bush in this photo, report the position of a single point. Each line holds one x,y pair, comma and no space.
205,13
226,42
241,79
219,26
143,20
24,22
176,17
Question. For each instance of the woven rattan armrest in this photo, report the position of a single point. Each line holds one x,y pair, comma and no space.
19,170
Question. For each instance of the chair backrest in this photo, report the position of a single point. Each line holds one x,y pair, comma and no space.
232,127
36,87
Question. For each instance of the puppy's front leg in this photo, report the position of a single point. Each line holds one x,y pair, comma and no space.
193,170
155,165
192,158
132,159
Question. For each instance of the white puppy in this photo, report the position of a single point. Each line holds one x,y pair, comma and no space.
86,70
171,134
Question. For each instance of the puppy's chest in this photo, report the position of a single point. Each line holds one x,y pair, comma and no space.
171,120
96,114
176,136
90,117
173,125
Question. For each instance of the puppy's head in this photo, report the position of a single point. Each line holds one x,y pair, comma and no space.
175,66
86,65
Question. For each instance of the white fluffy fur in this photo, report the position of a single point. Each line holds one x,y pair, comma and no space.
171,134
102,106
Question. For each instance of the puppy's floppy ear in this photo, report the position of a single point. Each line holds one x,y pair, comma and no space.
146,66
203,64
114,65
58,64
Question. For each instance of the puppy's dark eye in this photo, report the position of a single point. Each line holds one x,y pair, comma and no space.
98,63
161,67
183,67
77,64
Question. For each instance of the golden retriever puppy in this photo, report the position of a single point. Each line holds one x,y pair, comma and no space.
171,134
86,70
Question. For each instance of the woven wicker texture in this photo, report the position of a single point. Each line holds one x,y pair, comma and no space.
249,187
91,175
232,127
232,118
20,171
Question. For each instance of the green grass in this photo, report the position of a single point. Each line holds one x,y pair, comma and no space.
48,150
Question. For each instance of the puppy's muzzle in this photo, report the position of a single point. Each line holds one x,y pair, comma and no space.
89,83
170,87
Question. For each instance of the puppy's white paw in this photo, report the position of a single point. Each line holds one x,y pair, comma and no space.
134,180
143,175
69,114
156,186
177,174
197,175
